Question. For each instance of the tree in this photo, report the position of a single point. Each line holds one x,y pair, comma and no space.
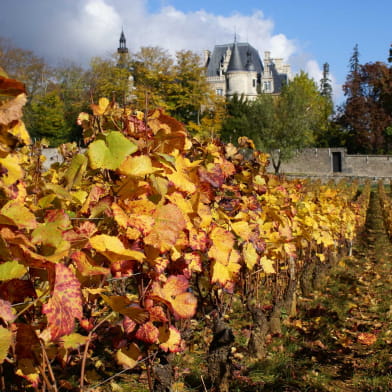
237,122
106,79
152,69
25,66
366,116
325,133
191,92
73,91
47,115
325,83
298,115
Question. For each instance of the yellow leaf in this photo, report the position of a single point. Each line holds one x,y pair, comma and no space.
5,342
11,270
139,166
268,265
224,273
242,229
114,249
250,255
14,172
128,357
73,340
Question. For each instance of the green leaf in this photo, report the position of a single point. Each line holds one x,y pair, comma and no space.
110,152
74,340
5,342
74,174
11,270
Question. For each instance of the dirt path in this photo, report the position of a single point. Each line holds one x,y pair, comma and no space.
347,330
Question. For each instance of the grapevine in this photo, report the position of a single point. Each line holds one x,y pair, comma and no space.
116,251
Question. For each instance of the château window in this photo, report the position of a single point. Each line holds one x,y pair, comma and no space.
267,86
219,91
254,83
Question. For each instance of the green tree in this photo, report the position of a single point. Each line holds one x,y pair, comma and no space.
237,122
299,114
74,93
325,134
48,119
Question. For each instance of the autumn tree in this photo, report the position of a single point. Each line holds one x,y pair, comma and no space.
105,78
152,69
365,118
25,66
191,92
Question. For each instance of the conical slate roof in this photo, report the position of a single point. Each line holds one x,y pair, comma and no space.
215,61
235,63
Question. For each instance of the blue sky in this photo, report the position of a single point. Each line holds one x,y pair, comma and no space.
306,33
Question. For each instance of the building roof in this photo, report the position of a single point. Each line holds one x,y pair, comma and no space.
243,58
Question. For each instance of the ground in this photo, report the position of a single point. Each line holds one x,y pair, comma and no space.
339,341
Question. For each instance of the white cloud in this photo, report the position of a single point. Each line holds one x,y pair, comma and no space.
80,29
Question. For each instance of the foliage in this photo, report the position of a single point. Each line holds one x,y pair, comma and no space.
126,246
366,115
47,119
280,125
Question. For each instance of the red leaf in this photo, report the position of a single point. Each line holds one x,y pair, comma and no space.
65,304
148,333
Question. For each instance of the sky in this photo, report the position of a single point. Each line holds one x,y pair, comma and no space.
305,33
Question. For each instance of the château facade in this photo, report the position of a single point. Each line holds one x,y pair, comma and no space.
237,68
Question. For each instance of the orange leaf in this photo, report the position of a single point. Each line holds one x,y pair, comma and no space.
65,304
173,292
169,222
148,333
223,243
86,265
170,339
367,338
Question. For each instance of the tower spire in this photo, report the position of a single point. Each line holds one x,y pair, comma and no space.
123,43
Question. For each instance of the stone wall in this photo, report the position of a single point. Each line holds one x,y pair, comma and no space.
317,162
325,162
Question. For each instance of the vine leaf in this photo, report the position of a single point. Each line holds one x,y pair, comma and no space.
14,172
250,255
128,357
65,304
148,333
11,270
174,293
6,312
110,152
16,214
169,222
122,304
114,249
86,265
170,339
73,341
5,342
139,166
